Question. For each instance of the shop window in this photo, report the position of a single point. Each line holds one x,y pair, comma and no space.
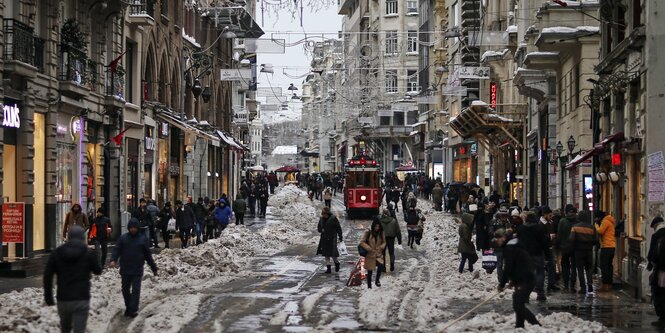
132,173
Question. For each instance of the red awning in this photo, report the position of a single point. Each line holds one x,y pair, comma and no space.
598,148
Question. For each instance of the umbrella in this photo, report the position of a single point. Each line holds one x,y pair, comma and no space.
288,168
453,184
471,185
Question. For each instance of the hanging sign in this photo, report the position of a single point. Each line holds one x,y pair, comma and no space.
13,222
493,94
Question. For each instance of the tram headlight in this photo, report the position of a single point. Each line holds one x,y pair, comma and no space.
363,198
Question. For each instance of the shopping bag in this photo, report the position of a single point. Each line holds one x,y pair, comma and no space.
489,260
341,247
357,275
171,225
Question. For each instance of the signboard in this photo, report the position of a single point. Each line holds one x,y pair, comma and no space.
11,116
164,129
453,90
478,73
13,222
493,94
656,172
235,74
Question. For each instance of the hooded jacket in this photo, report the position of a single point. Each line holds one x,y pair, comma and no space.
563,233
72,262
606,232
223,214
583,235
465,244
72,219
518,267
132,251
533,236
184,217
239,205
390,226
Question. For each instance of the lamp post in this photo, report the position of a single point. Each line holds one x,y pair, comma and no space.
571,144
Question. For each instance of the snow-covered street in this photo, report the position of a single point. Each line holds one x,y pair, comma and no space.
266,277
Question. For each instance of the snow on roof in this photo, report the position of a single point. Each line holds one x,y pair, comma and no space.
541,54
478,103
569,30
488,54
285,150
511,29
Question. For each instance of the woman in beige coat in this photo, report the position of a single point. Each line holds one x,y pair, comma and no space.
374,241
76,216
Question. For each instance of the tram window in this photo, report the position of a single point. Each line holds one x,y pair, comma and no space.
364,179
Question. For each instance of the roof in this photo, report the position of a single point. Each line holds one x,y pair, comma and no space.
285,150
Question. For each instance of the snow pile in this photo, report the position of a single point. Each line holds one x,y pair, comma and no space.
285,195
555,322
24,311
299,216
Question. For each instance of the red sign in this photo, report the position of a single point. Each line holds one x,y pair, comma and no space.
13,222
616,159
493,94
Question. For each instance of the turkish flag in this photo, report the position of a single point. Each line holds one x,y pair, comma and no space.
118,138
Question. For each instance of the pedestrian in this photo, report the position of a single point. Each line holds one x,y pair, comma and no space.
263,200
550,263
72,262
584,237
330,231
251,201
437,197
391,231
607,246
211,223
165,215
327,197
534,237
656,265
499,227
412,220
465,246
482,220
152,223
239,207
374,241
132,252
184,221
200,212
142,214
519,271
74,217
568,267
100,230
223,215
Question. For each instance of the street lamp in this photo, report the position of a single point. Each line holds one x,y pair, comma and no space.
559,148
551,156
196,88
292,87
571,144
206,94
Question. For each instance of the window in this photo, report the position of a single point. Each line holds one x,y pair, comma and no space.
384,120
412,6
411,117
577,86
391,42
455,15
391,81
398,118
412,81
391,7
412,41
129,71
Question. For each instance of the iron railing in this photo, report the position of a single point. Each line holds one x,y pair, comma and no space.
19,42
142,7
73,66
115,83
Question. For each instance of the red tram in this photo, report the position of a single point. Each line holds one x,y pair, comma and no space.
362,186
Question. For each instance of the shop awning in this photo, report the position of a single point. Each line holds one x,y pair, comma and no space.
487,126
228,140
598,148
175,121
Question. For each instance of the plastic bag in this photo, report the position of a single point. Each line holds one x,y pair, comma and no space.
341,247
171,225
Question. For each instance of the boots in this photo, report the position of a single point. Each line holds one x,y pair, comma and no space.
337,266
369,279
328,270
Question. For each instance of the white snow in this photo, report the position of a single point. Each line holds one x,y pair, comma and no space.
285,150
542,54
511,29
299,216
569,30
489,54
190,39
310,300
555,322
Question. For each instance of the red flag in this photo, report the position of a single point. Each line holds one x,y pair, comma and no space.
118,138
114,64
561,3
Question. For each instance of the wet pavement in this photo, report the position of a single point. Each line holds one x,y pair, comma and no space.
289,292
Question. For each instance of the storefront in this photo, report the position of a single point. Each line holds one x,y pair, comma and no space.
11,124
149,147
164,175
132,193
465,163
68,168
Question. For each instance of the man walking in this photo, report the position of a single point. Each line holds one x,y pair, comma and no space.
154,220
200,212
533,236
132,252
100,228
550,263
391,231
607,245
72,262
518,270
239,208
583,236
656,264
568,268
437,197
331,231
144,218
184,221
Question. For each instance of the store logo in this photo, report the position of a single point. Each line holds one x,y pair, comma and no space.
150,143
11,116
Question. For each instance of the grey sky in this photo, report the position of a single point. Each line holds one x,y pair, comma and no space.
324,22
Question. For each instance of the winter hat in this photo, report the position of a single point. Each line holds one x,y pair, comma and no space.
385,212
133,223
76,233
503,210
570,209
656,220
584,216
515,212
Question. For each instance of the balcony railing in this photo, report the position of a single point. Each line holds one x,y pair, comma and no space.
19,41
115,84
142,7
73,66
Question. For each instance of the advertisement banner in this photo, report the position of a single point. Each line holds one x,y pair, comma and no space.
13,222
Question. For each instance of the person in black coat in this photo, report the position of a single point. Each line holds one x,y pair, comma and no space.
165,215
412,220
144,217
132,253
184,221
519,271
656,258
102,226
536,242
331,231
72,262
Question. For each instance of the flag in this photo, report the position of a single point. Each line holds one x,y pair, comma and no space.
561,3
114,64
118,138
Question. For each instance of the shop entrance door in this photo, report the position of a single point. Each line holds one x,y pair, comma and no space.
65,185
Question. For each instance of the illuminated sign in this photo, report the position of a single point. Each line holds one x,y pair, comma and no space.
493,94
616,159
11,116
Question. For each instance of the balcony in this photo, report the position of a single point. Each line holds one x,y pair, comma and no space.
19,53
73,72
141,12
